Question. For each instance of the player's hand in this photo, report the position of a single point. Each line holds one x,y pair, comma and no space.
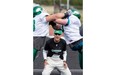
65,64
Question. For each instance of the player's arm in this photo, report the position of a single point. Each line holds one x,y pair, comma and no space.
62,21
57,16
54,16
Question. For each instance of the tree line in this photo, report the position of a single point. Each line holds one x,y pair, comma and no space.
51,2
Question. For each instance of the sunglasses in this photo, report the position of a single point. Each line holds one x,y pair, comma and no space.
57,34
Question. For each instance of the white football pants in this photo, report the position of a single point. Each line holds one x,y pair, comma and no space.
55,63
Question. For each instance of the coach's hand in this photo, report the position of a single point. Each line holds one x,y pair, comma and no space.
65,64
45,62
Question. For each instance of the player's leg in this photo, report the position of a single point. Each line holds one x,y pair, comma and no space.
81,60
35,50
78,46
34,53
44,41
37,45
80,50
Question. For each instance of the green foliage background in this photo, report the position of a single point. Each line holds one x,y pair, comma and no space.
50,2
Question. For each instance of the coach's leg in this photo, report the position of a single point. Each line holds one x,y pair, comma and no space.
63,70
47,70
66,71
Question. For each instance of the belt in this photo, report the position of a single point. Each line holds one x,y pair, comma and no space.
73,44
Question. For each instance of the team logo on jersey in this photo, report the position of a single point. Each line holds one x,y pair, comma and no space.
56,51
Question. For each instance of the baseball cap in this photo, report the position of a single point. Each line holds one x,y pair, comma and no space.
58,32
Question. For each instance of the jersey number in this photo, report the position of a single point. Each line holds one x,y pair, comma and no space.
33,25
